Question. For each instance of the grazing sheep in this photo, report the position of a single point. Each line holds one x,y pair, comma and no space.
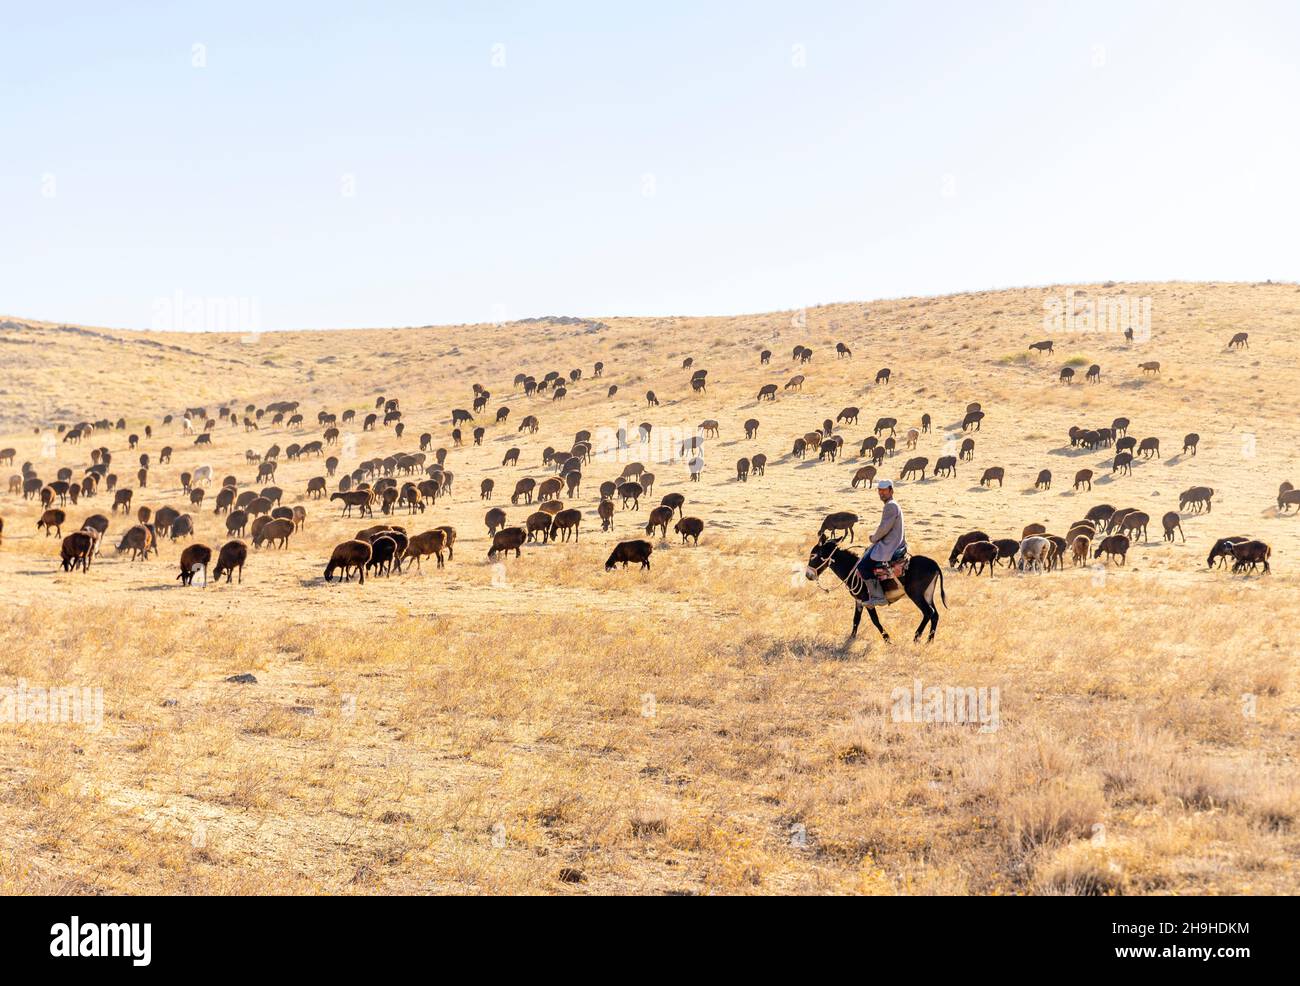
631,492
630,551
1249,554
1079,545
864,476
1135,522
349,555
274,531
77,549
990,474
978,554
194,559
659,517
1148,446
1221,550
564,522
1042,347
139,541
970,537
914,467
842,520
1239,340
424,544
1172,522
52,521
1198,497
1151,366
689,527
1034,551
1044,480
1113,547
508,539
1190,442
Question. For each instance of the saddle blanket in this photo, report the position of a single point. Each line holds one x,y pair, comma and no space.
869,568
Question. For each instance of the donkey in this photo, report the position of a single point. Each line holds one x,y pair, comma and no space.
918,583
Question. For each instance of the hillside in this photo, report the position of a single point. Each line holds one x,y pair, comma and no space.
541,725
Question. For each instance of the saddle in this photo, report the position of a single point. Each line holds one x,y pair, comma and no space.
888,574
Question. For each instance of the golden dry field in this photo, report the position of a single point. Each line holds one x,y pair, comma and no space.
545,726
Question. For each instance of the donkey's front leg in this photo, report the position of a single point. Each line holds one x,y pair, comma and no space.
871,611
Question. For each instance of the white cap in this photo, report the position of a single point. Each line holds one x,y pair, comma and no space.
887,484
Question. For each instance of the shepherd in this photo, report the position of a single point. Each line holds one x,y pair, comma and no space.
887,546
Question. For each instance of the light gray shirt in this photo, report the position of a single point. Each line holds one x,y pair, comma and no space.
888,537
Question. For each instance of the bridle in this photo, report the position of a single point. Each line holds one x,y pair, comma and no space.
853,582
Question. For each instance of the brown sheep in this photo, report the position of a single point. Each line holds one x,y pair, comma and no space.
990,474
767,392
549,489
842,520
1151,366
362,499
794,383
485,489
1172,522
538,522
1190,442
864,476
945,465
1135,522
1079,545
977,554
195,558
524,488
1114,546
1238,340
122,498
915,465
139,541
1248,554
970,537
689,527
236,522
1032,530
52,521
77,550
632,492
495,520
606,513
1198,497
427,543
274,531
565,521
659,517
630,551
506,540
742,470
349,555
1044,480
1083,477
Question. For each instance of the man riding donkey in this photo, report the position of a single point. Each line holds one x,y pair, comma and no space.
885,561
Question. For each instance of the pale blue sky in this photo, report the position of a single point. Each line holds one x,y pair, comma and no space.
911,149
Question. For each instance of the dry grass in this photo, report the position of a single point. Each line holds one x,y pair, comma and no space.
705,727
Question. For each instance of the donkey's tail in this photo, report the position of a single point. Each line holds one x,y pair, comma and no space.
941,593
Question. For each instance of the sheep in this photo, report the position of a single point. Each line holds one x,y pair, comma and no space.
273,531
1114,546
1079,548
990,474
349,555
52,521
506,540
1249,554
77,549
1033,552
659,517
1171,522
427,543
1044,480
977,554
195,558
565,521
630,551
842,520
